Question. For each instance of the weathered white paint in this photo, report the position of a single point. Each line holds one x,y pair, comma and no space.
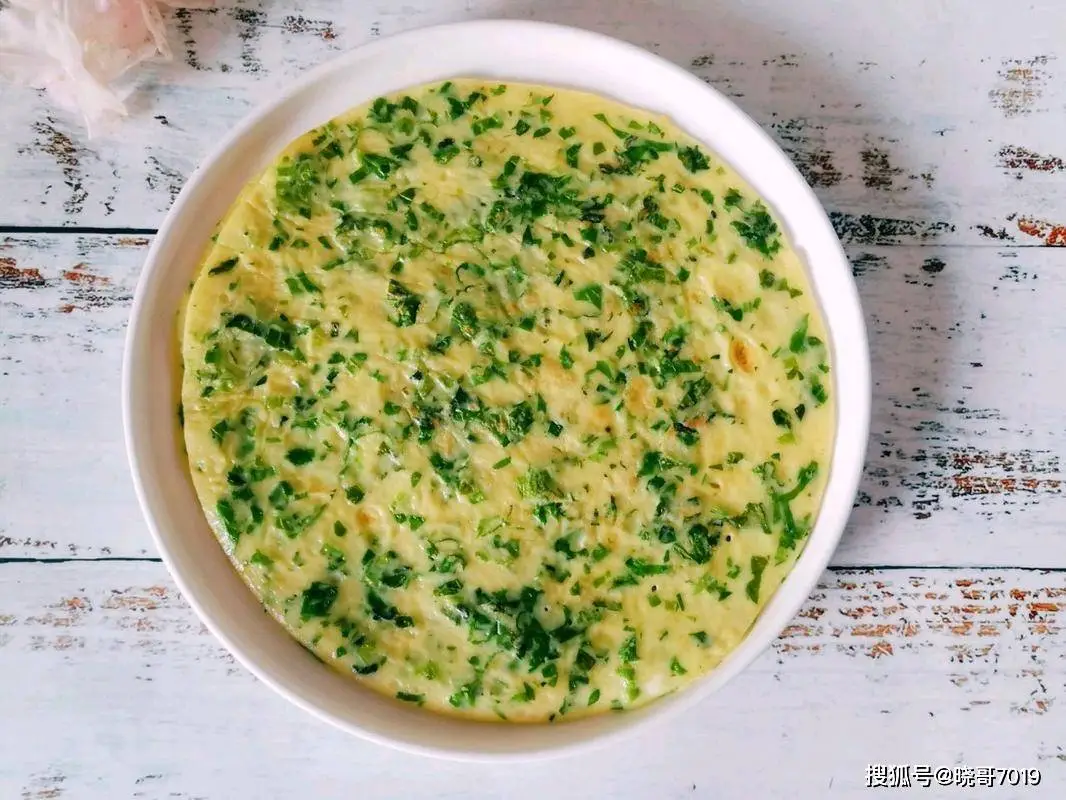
939,121
111,687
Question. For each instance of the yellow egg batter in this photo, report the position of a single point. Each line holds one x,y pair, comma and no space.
509,401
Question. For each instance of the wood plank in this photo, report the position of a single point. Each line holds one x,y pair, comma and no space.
963,465
64,301
112,679
954,138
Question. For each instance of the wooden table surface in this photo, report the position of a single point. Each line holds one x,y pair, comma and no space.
932,130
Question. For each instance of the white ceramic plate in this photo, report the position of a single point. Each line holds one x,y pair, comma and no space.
506,50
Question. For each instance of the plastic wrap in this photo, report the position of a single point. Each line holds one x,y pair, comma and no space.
82,51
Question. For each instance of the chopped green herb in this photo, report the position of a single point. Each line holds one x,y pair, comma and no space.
591,293
485,124
536,483
758,566
224,266
404,303
759,230
299,456
261,559
798,342
572,154
295,184
317,599
464,320
380,166
693,159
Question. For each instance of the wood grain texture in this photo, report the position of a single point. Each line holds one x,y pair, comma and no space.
932,131
889,135
963,466
910,666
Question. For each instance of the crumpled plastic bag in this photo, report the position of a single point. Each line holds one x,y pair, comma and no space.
80,51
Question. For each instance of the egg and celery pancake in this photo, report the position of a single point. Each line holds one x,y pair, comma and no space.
508,401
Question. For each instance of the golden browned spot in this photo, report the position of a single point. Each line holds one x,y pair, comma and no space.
738,352
602,415
637,394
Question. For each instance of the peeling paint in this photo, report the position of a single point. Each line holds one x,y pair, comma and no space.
879,649
12,277
961,620
183,22
967,459
866,229
1052,235
1021,83
147,599
44,786
804,142
89,291
163,177
1020,159
320,27
988,232
877,170
133,241
788,60
864,262
68,156
249,31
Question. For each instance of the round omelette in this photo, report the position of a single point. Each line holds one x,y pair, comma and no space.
508,401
